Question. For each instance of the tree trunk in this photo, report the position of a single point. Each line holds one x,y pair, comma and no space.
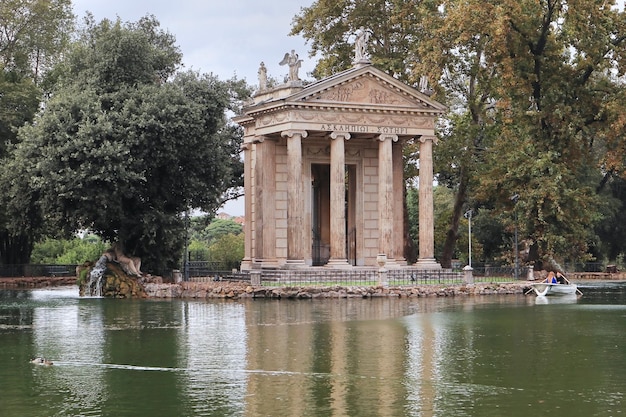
453,231
15,249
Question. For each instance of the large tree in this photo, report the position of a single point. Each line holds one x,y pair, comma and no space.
33,35
556,98
125,145
536,106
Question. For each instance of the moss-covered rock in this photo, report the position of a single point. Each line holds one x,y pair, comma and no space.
115,283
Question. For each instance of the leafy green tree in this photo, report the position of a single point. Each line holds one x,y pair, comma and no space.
18,104
536,105
197,224
555,94
221,227
33,35
228,250
68,252
198,250
125,145
207,228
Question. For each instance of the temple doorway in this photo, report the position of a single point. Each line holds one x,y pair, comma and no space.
320,213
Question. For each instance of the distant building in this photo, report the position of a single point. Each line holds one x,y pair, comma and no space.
223,216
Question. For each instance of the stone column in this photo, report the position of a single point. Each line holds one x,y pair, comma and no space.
246,263
259,225
268,202
385,196
398,205
295,198
338,200
426,259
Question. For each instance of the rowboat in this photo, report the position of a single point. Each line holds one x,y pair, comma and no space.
552,286
548,288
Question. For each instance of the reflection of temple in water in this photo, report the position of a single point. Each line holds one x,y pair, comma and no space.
336,366
324,172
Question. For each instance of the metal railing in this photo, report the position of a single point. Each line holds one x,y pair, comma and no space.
36,270
320,276
358,277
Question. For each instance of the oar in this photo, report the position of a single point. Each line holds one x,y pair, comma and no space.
568,281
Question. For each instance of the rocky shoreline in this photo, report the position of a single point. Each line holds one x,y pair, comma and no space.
36,282
242,290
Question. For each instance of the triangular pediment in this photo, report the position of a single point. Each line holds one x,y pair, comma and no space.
365,86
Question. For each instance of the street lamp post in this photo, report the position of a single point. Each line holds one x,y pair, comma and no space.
514,199
186,254
468,216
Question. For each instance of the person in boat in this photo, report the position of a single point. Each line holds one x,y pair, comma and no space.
555,278
551,278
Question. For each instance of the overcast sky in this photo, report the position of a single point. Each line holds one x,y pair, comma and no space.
223,37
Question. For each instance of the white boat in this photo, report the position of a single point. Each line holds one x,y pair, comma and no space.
554,287
548,288
561,299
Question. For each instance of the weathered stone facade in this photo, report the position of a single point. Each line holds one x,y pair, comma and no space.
324,175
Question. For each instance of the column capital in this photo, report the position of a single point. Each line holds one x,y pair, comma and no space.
425,138
292,132
258,139
385,136
245,146
344,135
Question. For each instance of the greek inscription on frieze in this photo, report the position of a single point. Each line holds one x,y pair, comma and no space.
335,127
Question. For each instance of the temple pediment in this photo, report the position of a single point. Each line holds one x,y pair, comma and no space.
362,100
366,86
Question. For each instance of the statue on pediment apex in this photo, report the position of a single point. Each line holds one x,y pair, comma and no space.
360,46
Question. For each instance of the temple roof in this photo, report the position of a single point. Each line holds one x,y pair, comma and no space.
362,86
357,97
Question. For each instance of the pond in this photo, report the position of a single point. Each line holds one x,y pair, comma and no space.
464,356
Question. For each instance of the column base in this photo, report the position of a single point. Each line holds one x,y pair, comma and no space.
428,264
269,264
295,264
338,263
246,264
402,261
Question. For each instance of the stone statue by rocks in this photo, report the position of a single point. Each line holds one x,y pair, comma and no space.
130,264
294,63
262,77
360,45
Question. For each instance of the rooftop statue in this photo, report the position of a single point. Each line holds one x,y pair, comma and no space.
262,77
360,46
294,63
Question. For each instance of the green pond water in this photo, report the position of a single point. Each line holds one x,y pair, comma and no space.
465,356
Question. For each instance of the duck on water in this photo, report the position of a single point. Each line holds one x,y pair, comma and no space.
41,361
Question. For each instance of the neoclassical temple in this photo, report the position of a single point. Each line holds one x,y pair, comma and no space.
324,172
